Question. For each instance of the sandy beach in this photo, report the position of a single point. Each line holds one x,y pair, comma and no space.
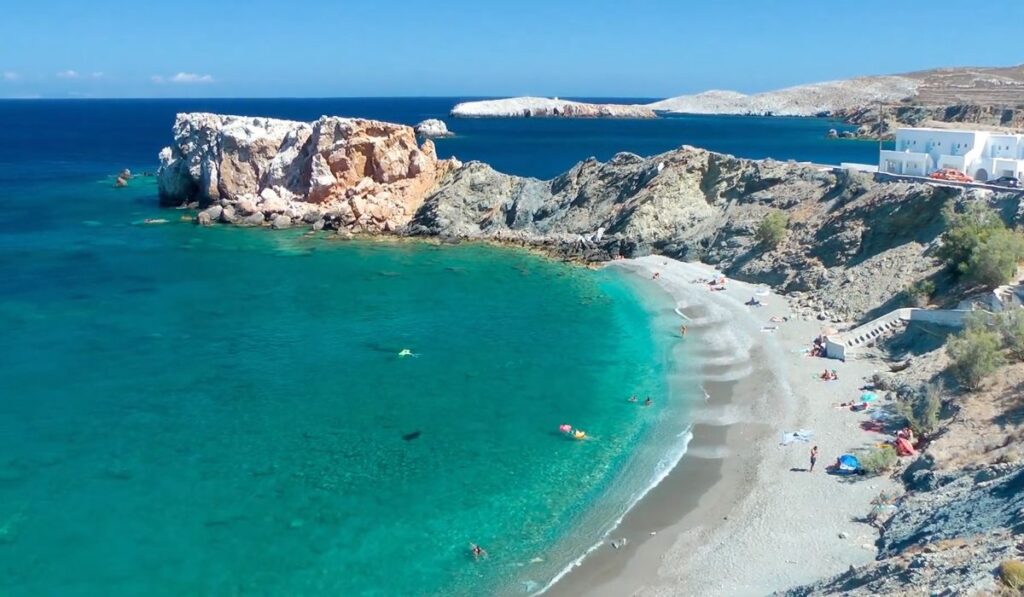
740,514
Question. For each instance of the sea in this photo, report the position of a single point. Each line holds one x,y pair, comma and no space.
217,411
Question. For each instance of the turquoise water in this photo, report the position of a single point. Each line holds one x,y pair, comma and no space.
222,411
216,411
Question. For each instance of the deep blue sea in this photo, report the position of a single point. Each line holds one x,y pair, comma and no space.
216,411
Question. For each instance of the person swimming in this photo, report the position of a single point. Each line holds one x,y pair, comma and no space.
633,398
477,551
647,402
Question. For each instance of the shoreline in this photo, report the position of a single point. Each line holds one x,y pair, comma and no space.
728,519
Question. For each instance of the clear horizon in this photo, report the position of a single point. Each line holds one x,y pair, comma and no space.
601,49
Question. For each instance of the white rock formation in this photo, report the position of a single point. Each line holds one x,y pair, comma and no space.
288,171
802,100
432,128
524,107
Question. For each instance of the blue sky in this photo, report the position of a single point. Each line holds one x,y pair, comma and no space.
596,48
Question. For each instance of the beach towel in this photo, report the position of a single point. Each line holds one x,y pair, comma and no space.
801,435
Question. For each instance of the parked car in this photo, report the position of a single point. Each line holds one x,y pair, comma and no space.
1006,181
951,175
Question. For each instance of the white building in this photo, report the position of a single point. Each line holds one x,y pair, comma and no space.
979,154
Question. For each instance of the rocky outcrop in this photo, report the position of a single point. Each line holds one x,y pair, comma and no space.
542,107
994,118
432,128
358,174
947,537
854,243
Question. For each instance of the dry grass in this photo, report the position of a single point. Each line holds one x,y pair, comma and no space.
989,426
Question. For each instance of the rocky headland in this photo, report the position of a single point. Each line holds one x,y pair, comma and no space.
346,173
542,107
854,241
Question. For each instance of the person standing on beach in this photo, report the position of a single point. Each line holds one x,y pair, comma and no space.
814,458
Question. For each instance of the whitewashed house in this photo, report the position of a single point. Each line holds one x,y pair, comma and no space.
979,154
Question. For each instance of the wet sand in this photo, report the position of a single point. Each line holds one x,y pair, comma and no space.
739,515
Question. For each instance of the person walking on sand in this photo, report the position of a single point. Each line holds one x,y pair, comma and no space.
814,458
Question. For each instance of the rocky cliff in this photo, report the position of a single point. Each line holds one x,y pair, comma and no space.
351,173
542,107
946,537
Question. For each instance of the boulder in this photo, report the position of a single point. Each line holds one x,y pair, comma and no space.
209,215
281,222
246,206
432,128
255,219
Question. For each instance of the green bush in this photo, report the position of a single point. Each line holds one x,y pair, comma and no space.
878,460
772,230
1011,572
975,353
966,230
919,293
979,245
994,261
1011,327
921,409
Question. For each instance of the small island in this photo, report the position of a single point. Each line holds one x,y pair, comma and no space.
542,107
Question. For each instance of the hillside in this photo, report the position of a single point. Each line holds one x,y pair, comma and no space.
997,87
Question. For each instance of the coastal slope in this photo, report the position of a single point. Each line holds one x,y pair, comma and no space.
986,96
542,107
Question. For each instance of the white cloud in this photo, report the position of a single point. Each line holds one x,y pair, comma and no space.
10,75
182,78
73,74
